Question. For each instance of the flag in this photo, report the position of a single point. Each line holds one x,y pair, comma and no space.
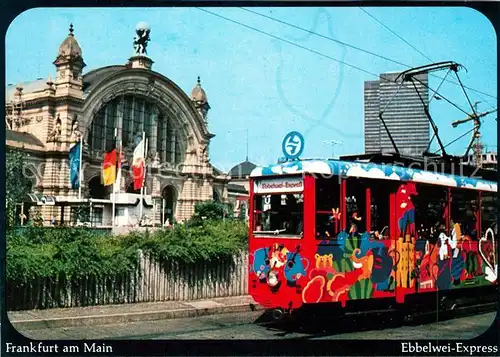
138,165
109,167
74,165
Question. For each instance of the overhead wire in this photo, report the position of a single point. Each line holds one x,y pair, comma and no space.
366,51
325,37
289,42
420,52
337,60
441,96
299,46
454,141
395,34
314,51
296,45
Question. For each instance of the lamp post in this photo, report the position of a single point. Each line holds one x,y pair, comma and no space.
333,143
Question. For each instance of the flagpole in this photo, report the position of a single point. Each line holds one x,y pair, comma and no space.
145,167
80,170
113,202
144,175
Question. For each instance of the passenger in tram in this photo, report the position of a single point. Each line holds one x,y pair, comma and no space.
382,234
325,229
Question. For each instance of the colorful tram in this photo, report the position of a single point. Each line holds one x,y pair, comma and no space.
331,231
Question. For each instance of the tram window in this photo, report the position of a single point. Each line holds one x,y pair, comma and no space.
464,206
327,207
380,192
279,214
356,205
488,212
430,205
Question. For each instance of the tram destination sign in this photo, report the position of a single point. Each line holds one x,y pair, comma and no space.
278,185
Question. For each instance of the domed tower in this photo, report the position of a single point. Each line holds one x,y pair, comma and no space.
69,66
199,98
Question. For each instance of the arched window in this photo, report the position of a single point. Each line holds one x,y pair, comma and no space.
169,197
136,115
97,189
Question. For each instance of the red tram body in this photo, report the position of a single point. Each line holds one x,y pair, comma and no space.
331,231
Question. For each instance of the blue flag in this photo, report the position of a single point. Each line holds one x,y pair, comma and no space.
74,165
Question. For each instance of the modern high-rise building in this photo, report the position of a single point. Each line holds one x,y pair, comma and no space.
403,113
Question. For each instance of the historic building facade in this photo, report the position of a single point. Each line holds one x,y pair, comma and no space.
239,188
111,106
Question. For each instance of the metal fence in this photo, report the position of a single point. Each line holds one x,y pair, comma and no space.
153,281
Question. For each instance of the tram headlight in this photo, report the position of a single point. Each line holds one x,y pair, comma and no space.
272,279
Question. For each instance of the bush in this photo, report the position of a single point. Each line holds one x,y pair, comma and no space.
209,210
17,184
37,252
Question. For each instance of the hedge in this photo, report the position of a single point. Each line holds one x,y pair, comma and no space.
37,252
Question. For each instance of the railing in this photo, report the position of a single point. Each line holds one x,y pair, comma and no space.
151,282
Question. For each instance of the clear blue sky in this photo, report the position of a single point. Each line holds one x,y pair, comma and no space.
270,87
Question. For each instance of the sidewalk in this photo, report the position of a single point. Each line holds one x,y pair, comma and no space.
115,314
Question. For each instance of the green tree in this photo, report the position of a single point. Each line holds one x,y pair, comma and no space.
242,213
229,210
82,213
208,210
17,184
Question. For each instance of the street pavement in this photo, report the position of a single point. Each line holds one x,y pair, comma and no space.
126,313
258,325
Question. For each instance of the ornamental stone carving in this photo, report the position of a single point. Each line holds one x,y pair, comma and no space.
55,134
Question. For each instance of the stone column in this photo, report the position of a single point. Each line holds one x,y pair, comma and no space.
164,156
141,120
172,145
131,125
119,125
154,132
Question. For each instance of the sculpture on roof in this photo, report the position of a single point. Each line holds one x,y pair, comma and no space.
142,30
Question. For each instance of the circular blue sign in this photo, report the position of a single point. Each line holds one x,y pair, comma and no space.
293,145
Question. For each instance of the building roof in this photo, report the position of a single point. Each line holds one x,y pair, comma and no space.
374,171
70,46
70,51
94,77
217,171
20,137
28,87
198,94
234,188
242,170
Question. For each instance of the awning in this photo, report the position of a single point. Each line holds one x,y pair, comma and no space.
40,199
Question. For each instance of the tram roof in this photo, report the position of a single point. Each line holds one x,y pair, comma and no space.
374,171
